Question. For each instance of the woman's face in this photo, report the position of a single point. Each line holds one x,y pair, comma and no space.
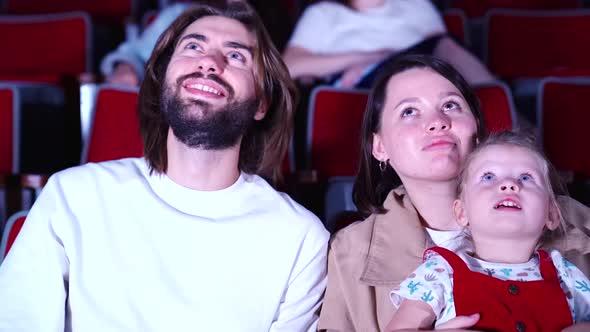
427,127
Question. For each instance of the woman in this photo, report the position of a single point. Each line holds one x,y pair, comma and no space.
347,39
421,121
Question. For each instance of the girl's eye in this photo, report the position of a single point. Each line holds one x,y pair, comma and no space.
525,177
236,56
408,112
449,106
488,176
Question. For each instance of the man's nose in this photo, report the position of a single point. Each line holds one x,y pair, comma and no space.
509,186
213,62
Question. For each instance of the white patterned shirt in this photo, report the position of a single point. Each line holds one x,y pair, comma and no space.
432,282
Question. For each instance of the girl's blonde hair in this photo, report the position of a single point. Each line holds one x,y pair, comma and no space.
554,184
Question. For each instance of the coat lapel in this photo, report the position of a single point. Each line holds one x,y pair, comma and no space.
397,243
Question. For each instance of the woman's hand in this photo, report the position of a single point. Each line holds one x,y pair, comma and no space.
352,75
459,323
580,327
124,74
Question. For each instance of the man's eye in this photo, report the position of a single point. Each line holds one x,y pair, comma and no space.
192,46
488,176
236,56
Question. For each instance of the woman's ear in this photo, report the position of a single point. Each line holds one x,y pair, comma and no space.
459,212
378,149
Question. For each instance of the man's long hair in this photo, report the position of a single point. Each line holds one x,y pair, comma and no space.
264,145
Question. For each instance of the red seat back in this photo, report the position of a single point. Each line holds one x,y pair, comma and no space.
497,106
114,132
564,117
148,18
477,8
111,9
9,124
288,163
536,44
456,23
11,230
44,45
334,121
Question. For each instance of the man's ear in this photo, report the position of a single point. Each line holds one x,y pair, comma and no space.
554,217
378,149
459,212
261,112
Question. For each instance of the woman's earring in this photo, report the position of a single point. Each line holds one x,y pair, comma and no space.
382,166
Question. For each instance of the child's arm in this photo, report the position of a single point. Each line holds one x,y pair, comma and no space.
412,314
580,327
417,315
423,296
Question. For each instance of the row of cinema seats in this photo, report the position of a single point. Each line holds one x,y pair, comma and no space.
510,38
109,128
47,51
478,9
104,10
519,44
110,131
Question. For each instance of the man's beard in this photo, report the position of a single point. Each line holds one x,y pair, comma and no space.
197,125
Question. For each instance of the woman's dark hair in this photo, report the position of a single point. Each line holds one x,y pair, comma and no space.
372,185
264,145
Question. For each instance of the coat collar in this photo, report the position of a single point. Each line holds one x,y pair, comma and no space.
397,242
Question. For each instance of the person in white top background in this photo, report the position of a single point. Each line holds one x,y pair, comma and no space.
191,237
351,39
507,208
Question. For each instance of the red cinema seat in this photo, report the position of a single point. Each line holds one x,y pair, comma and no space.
456,23
288,163
9,141
45,48
497,106
333,127
114,128
563,116
17,190
478,8
11,230
9,129
148,18
104,9
525,44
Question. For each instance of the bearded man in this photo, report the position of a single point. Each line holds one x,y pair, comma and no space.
191,237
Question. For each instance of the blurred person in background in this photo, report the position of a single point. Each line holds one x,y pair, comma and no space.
349,42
